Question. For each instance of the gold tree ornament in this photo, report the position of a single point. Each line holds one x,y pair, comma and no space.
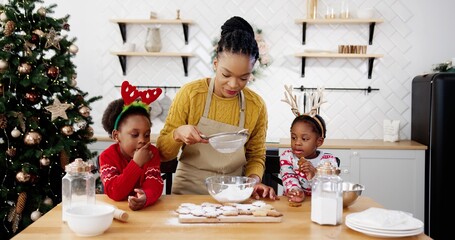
67,130
24,68
44,161
38,32
3,64
73,49
58,109
22,177
42,11
52,39
32,138
84,111
48,202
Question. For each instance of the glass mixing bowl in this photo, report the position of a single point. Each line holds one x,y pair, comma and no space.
230,189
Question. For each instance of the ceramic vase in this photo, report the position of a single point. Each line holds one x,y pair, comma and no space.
153,40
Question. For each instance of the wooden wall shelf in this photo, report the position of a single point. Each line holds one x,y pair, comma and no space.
122,24
123,57
371,21
370,57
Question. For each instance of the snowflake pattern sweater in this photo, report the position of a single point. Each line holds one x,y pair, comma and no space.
293,178
120,176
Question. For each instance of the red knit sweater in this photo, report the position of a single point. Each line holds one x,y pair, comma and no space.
120,176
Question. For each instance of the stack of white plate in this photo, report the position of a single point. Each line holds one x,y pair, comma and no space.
379,222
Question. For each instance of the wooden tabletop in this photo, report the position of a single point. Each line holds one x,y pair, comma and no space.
160,221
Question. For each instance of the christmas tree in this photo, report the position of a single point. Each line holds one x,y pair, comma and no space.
44,117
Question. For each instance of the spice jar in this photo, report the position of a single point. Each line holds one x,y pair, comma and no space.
327,196
78,185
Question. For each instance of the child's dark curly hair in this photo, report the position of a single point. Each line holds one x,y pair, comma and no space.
314,124
114,109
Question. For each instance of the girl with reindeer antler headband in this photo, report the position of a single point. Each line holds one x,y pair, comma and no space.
130,168
308,131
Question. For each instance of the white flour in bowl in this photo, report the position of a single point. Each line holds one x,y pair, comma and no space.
233,193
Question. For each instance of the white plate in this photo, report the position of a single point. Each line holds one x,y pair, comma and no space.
375,218
351,224
384,234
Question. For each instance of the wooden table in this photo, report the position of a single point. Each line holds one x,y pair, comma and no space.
161,222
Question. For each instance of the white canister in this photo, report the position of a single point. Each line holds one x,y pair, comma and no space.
327,196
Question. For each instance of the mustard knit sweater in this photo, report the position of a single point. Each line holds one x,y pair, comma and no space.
188,107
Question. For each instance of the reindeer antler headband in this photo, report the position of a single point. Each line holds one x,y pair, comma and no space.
135,98
316,100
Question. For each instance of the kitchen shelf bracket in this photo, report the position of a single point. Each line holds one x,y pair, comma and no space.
370,39
185,65
122,27
122,60
185,32
303,33
370,66
303,67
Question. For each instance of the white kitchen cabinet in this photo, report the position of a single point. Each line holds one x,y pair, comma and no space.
394,178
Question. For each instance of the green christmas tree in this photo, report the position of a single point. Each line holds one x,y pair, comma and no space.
44,117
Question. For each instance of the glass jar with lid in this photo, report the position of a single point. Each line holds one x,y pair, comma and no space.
327,196
78,185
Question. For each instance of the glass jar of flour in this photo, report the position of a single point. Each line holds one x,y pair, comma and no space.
327,196
78,185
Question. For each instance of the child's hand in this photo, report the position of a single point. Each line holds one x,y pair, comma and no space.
143,155
307,168
295,195
137,202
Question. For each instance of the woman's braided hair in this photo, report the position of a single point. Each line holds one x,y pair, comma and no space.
237,36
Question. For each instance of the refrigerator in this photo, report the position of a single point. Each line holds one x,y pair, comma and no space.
433,124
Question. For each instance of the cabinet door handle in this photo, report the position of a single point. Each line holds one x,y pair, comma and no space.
345,171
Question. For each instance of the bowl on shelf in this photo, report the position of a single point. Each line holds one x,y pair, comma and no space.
351,191
90,220
230,189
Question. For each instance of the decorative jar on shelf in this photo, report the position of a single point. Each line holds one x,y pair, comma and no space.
153,40
312,9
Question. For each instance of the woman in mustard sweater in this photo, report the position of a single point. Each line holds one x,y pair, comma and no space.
220,104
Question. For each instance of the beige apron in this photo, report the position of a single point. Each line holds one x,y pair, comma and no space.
199,161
